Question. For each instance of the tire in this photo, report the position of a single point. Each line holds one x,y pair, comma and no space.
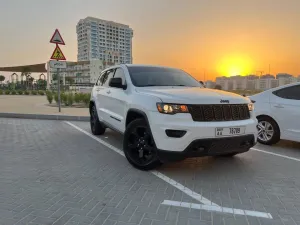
270,124
139,147
96,127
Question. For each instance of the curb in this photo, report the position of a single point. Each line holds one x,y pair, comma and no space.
44,117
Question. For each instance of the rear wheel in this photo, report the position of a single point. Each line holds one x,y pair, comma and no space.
268,131
139,147
96,126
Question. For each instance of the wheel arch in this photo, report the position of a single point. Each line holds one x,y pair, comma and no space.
133,114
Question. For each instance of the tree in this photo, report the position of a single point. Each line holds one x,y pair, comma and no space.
2,78
42,84
218,86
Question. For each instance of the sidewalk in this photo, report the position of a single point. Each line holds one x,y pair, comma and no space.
36,107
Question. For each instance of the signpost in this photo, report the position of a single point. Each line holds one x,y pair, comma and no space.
58,64
56,56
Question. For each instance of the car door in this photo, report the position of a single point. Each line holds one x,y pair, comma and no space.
117,106
103,92
285,105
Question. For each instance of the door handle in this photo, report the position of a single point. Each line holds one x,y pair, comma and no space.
278,106
108,92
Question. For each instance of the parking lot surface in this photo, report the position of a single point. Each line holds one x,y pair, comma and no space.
55,172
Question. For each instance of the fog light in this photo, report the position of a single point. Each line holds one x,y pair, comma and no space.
175,133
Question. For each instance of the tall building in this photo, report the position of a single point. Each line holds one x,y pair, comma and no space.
104,40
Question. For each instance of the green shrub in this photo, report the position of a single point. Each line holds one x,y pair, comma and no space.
7,92
13,92
1,92
26,92
34,92
49,97
70,99
86,99
41,93
64,98
56,97
20,92
77,97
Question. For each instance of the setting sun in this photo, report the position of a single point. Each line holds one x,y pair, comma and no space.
234,65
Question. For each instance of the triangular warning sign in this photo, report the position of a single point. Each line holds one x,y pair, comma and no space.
57,39
57,54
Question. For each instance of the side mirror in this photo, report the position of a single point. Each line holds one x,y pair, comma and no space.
116,83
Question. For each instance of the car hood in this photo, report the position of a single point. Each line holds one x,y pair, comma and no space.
193,95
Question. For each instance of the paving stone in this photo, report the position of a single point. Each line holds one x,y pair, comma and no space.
51,172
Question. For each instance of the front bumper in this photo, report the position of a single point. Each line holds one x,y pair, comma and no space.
210,147
195,131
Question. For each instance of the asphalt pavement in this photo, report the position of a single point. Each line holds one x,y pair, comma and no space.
56,172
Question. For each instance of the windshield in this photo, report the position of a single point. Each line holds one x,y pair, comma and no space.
143,76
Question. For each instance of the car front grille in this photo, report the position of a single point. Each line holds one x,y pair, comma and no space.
227,112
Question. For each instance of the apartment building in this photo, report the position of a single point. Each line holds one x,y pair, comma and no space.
210,84
265,84
253,82
83,73
104,40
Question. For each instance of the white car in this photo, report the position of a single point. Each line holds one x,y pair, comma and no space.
167,115
278,114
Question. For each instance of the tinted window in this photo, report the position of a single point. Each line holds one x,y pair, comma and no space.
289,93
119,73
105,78
143,76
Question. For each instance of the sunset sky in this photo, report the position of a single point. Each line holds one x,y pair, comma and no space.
220,37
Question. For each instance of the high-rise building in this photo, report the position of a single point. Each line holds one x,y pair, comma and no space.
104,40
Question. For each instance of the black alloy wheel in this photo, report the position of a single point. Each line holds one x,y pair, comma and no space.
139,147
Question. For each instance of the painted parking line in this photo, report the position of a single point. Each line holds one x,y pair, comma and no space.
214,208
206,203
279,155
172,182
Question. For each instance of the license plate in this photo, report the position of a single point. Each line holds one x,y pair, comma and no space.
229,131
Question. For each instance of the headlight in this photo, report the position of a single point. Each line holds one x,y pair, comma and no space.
171,108
251,106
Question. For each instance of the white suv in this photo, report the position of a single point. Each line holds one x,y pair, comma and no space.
167,115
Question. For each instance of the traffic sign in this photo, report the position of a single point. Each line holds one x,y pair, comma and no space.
57,54
54,64
56,38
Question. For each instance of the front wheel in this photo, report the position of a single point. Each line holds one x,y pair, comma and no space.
139,147
268,131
